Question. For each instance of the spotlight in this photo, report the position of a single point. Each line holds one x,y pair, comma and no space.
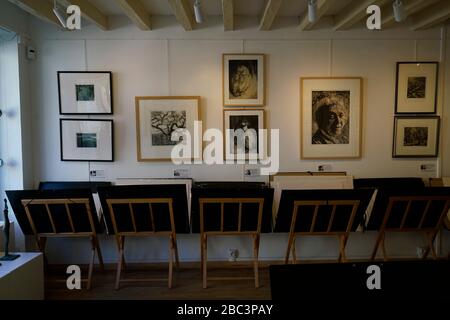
198,11
312,10
59,14
399,10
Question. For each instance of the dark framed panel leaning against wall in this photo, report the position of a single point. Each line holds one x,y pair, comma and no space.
416,137
416,87
86,140
85,92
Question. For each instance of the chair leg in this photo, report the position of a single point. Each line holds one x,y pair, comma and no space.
99,254
294,250
377,244
342,244
255,261
91,264
124,265
171,254
177,258
288,251
41,244
383,247
204,260
119,263
430,240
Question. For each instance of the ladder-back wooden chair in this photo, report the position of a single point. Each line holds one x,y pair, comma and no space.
64,217
145,215
423,214
236,227
336,224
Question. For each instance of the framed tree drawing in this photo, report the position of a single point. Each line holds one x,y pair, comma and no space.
416,137
416,87
160,122
88,92
241,131
243,80
330,117
86,140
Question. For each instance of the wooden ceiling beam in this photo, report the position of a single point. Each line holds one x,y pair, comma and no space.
91,13
40,9
270,12
432,16
228,15
322,9
411,7
183,12
135,10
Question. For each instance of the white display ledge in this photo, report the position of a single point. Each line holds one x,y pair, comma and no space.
23,278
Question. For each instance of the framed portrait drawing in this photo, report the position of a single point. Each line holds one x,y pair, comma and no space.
416,137
330,117
160,122
86,140
243,80
87,92
416,88
241,132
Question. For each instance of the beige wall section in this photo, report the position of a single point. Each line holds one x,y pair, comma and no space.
446,111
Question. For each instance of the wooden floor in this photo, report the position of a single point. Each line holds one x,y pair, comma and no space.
187,285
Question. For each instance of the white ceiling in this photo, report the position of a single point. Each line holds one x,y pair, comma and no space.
290,8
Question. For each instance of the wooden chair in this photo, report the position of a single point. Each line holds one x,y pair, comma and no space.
254,233
56,228
425,223
342,234
138,231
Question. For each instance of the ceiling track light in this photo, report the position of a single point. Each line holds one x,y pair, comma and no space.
198,11
399,10
59,14
312,11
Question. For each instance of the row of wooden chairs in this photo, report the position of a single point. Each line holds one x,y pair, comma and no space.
135,208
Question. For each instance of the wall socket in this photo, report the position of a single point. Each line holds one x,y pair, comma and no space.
428,167
97,173
181,173
233,254
252,172
324,167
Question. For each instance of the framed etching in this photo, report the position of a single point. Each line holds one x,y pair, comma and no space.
160,122
242,141
87,92
416,137
330,117
416,87
243,80
86,140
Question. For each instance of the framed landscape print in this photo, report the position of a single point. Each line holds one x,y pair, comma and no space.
240,129
158,119
331,113
244,80
416,137
87,92
416,88
86,140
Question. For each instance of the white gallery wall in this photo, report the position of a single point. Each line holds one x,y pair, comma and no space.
171,61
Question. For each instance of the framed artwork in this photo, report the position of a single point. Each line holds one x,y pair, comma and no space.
416,88
159,119
88,92
244,80
86,140
241,133
416,137
330,117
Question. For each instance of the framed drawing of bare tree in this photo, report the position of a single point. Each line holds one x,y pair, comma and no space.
331,113
162,123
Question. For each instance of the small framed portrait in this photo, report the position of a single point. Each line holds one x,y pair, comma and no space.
86,140
87,92
160,122
416,137
242,136
244,80
416,88
331,113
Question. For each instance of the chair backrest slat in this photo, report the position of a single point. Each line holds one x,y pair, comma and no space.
240,202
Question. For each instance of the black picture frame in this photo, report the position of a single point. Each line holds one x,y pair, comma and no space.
62,93
87,142
416,147
415,107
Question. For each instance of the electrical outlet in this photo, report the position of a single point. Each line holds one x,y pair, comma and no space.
181,173
97,173
233,254
324,167
253,172
428,167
